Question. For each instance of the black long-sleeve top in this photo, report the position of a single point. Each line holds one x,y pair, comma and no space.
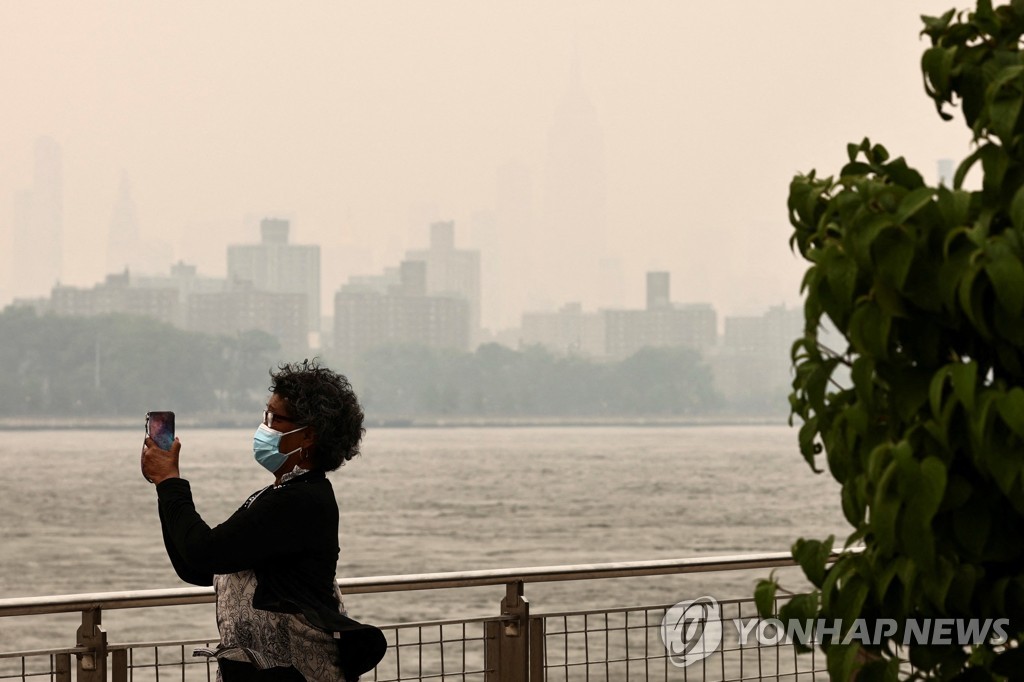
287,534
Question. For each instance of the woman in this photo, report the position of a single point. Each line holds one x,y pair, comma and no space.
279,613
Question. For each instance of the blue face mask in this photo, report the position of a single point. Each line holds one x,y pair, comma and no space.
266,447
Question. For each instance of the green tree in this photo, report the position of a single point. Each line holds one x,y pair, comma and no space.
121,365
404,381
926,434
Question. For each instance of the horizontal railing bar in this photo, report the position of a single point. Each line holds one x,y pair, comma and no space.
629,609
43,652
599,611
165,643
386,626
68,603
545,574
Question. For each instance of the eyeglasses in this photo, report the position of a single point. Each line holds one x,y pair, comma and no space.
270,417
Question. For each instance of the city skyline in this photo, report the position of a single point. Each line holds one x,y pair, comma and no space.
362,125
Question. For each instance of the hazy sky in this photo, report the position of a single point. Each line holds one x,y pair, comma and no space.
361,121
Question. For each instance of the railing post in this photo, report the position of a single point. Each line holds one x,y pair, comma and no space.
92,665
537,649
119,665
62,668
507,651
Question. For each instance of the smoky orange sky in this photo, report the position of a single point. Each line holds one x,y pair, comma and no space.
362,122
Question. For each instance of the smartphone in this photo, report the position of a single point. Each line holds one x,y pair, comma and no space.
160,427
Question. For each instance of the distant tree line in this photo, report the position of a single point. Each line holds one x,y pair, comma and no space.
122,365
498,381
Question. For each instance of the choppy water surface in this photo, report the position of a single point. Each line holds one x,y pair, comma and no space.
76,515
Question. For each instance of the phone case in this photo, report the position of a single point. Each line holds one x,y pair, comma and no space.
160,427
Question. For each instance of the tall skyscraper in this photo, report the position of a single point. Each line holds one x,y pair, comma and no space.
512,261
126,249
276,266
37,251
575,218
123,239
452,271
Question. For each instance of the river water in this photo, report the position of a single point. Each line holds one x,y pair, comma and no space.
76,515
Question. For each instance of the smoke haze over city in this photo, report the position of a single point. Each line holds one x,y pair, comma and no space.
576,145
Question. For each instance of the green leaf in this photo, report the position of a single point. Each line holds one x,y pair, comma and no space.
965,167
1011,410
964,377
852,149
934,25
816,383
854,502
1006,273
841,274
885,509
926,486
1017,209
842,661
802,608
1004,99
862,373
936,63
908,387
808,439
913,202
883,578
764,598
855,168
862,235
893,252
888,299
935,390
969,297
869,329
954,206
981,420
879,460
878,154
907,572
903,175
851,600
994,162
836,573
813,557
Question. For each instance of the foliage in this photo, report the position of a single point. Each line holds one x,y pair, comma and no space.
926,285
497,381
124,365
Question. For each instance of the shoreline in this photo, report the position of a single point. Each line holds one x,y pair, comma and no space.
445,422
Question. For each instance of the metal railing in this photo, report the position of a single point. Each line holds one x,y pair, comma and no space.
603,643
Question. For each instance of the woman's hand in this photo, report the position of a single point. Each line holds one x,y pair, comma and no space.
159,465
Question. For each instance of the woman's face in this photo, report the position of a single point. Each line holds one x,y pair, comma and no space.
279,417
